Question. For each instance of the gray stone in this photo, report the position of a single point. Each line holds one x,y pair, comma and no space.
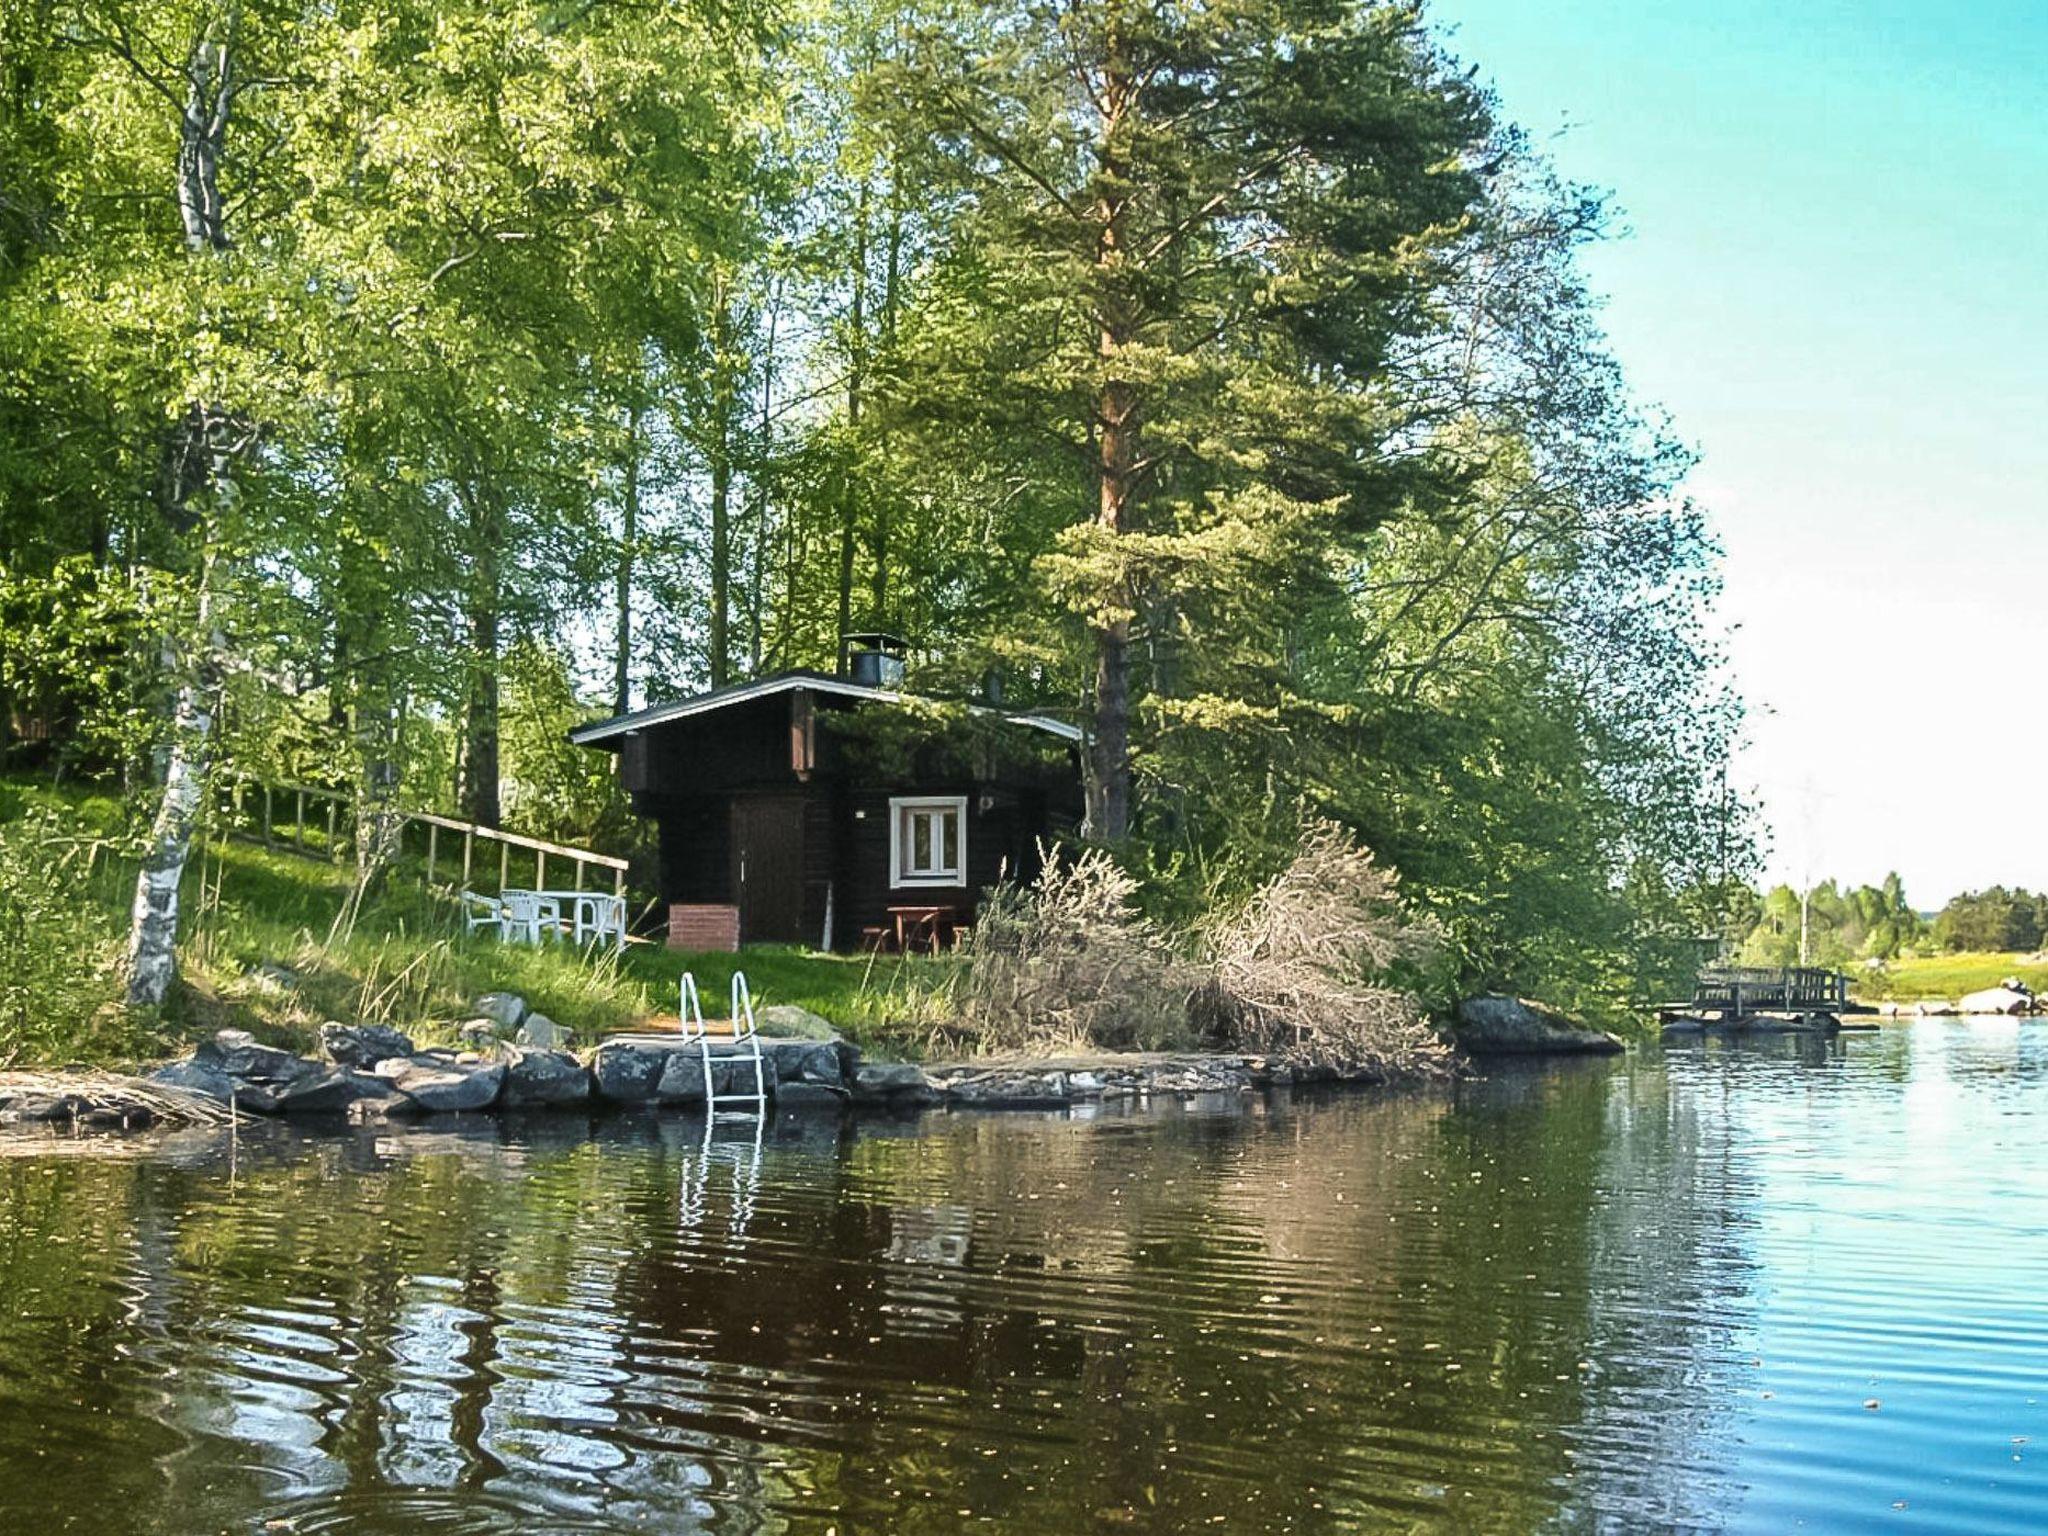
786,1021
507,1010
891,1082
363,1045
682,1078
629,1074
45,1107
1009,1089
272,977
236,1053
822,1062
2005,999
481,1034
440,1085
809,1096
1496,1025
545,1077
194,1076
330,1092
543,1033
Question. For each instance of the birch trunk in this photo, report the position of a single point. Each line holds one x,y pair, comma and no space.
194,462
153,919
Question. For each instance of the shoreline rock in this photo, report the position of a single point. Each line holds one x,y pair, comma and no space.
1495,1024
370,1080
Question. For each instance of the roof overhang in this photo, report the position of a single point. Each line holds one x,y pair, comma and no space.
719,698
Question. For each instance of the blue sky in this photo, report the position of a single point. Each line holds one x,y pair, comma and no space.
1834,276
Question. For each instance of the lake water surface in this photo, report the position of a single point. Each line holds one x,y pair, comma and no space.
1746,1289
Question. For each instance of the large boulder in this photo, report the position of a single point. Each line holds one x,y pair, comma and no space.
891,1083
507,1010
786,1021
363,1045
628,1073
1497,1025
2000,999
273,977
258,1076
821,1063
543,1033
437,1084
236,1053
545,1077
682,1078
330,1092
195,1076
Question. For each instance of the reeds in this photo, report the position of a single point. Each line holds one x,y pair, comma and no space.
118,1093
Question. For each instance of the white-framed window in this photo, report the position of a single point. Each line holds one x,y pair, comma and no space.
928,840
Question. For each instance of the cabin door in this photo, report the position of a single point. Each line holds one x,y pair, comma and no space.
768,869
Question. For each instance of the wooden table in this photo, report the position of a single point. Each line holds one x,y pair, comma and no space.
927,924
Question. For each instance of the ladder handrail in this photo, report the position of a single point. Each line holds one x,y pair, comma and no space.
690,1018
742,1005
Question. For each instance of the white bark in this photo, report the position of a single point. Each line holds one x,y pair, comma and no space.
153,919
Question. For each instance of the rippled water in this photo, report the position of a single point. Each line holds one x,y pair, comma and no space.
1662,1293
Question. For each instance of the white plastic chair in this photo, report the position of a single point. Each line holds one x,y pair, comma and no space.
483,912
599,917
530,916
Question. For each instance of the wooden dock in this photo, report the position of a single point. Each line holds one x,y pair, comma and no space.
1735,991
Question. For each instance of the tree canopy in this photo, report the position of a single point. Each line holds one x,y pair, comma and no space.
383,384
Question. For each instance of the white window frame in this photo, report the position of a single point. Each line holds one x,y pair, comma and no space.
900,807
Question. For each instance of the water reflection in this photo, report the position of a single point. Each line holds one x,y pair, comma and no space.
1645,1294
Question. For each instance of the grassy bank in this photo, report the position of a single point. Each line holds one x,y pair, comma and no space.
405,960
1946,977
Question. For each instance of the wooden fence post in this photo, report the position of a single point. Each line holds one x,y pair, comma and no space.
540,870
504,866
468,845
433,847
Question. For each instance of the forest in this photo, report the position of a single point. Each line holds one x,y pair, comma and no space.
388,385
1839,925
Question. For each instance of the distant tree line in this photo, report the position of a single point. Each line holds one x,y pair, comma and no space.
384,386
1844,925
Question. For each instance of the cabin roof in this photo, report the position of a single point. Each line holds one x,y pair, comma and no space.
783,682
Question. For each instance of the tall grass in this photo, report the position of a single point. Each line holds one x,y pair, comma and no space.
1915,978
404,959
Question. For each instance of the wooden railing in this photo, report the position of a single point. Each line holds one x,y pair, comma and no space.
1738,990
332,834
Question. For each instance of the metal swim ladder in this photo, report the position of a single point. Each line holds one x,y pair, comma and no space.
690,1014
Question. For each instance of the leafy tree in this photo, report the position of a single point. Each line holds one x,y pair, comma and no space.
1186,239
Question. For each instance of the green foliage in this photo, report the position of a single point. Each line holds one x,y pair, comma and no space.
1841,927
57,945
1995,919
554,789
1220,374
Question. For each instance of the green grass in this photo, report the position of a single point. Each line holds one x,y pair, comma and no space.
1945,977
407,962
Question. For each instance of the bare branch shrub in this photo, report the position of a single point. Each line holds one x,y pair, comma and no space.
1069,963
1301,967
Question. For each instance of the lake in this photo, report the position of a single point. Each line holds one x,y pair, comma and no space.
1719,1288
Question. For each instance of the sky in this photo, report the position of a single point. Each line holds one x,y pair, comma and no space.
1832,272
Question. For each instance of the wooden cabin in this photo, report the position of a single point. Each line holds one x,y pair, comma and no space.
808,808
